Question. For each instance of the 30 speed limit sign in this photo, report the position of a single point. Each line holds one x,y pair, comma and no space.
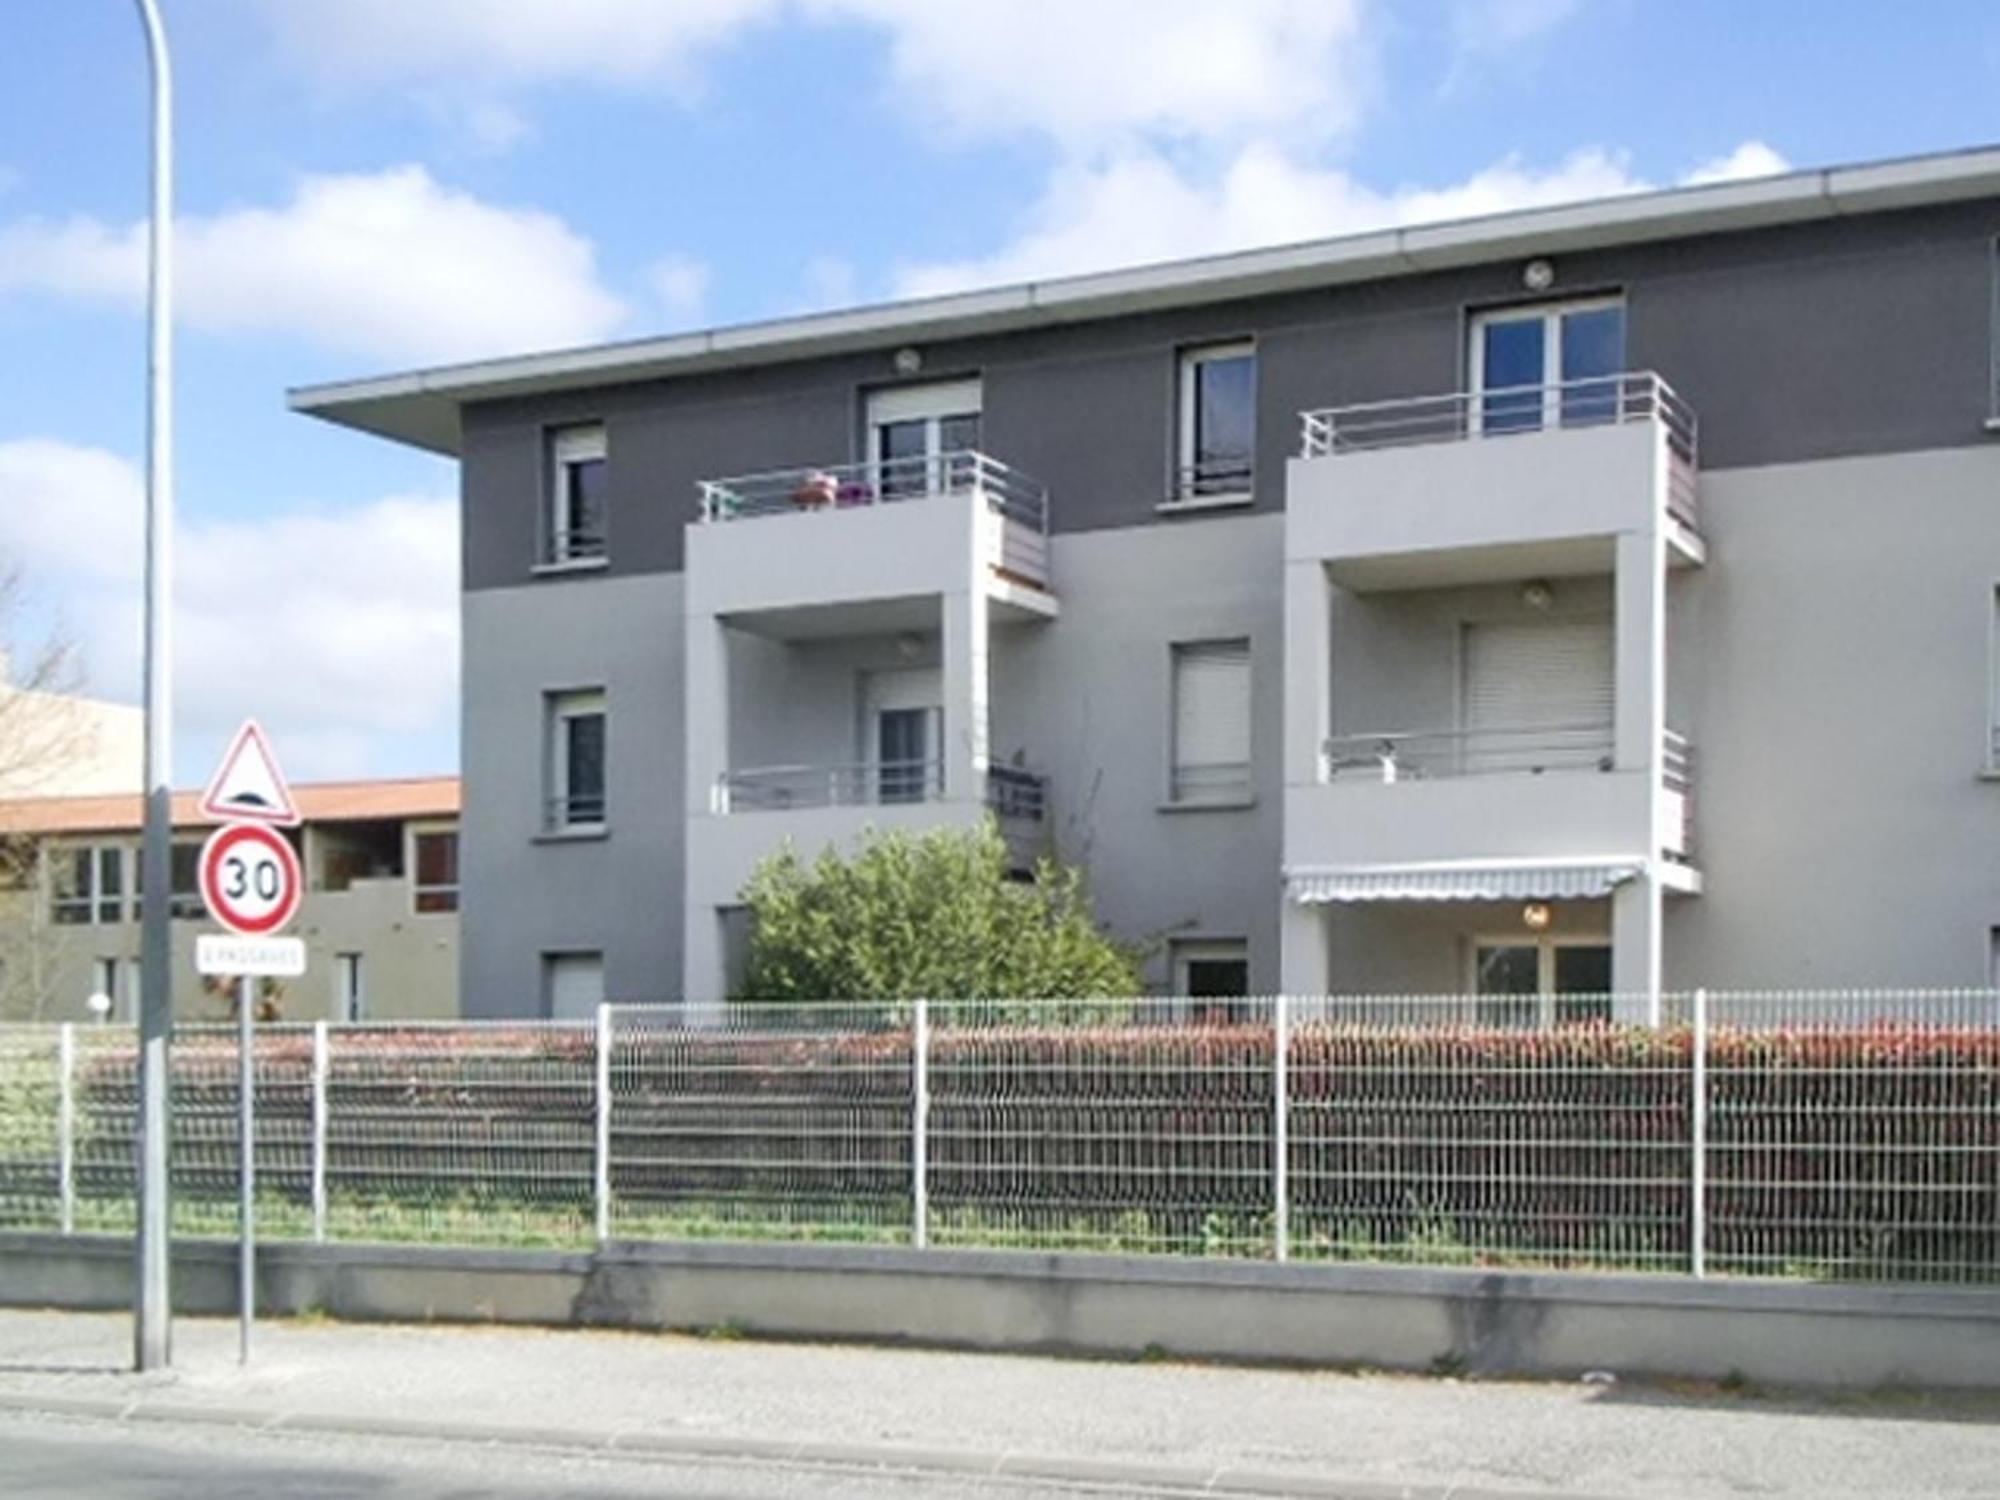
250,878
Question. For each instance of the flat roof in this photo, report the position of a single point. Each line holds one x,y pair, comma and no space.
421,407
318,802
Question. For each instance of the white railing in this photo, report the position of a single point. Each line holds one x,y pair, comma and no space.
1830,1135
1421,754
838,487
1011,793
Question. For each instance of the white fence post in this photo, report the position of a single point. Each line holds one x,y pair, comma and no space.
319,1070
602,1189
66,1125
920,1127
1281,1129
1698,1175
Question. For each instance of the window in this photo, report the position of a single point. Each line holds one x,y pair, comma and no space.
919,436
1211,722
1542,981
184,867
87,885
1993,324
905,734
1548,366
572,985
350,998
573,530
1537,695
437,870
576,761
1211,968
1218,422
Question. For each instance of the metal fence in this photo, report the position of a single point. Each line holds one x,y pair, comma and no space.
1851,1135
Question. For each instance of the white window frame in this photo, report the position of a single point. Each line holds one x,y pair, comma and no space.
92,898
1224,795
1182,952
350,1004
919,689
1186,492
932,403
577,703
1551,315
1546,944
576,442
412,834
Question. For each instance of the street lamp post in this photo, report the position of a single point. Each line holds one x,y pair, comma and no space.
152,1306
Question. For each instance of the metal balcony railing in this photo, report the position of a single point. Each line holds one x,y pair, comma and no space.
577,810
1527,749
1013,794
573,545
847,486
1459,416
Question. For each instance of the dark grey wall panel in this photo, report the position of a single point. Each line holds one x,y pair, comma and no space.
1810,341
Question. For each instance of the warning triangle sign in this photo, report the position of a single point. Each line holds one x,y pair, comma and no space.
248,787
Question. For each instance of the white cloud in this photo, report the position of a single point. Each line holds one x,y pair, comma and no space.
1751,159
1100,71
507,40
1142,206
340,628
390,265
680,287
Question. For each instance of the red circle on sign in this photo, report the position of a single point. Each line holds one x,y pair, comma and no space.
233,862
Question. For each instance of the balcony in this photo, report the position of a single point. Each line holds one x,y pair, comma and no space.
862,531
1474,487
1532,792
1012,794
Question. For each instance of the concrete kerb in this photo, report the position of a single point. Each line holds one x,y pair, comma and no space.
1111,1474
1470,1321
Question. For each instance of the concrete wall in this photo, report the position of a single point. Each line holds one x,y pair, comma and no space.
1476,1322
526,893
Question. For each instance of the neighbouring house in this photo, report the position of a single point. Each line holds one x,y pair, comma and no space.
1579,600
379,917
61,745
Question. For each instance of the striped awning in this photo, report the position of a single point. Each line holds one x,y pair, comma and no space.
1564,882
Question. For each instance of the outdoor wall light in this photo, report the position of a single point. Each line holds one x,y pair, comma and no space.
1538,275
909,647
908,361
1538,593
1535,916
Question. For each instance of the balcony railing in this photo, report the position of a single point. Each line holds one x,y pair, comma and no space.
1460,416
1524,750
847,486
1013,794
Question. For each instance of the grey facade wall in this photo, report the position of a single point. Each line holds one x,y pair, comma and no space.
1807,341
523,893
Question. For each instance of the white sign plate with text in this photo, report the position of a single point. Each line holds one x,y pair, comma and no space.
226,953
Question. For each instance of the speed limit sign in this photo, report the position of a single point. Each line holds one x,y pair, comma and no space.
250,878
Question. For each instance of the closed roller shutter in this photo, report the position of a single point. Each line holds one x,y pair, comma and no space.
1538,694
1211,720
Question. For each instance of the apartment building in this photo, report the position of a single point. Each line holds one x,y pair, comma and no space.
379,917
1577,600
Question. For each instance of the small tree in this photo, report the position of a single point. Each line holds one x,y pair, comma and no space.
926,916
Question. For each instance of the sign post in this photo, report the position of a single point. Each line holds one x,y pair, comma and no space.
252,884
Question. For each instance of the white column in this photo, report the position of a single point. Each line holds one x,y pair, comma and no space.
706,738
1305,950
966,688
1308,670
1640,723
1635,947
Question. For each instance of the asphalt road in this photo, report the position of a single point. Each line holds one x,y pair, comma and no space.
67,1459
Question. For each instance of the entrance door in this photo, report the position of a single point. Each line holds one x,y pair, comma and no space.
1542,366
573,985
1542,982
918,434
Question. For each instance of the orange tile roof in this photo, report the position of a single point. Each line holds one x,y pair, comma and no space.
319,802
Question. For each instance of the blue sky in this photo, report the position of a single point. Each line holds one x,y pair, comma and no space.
378,184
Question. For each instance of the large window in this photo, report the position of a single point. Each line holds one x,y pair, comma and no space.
436,860
1541,981
87,885
1546,366
573,529
1211,723
1218,423
576,753
350,998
